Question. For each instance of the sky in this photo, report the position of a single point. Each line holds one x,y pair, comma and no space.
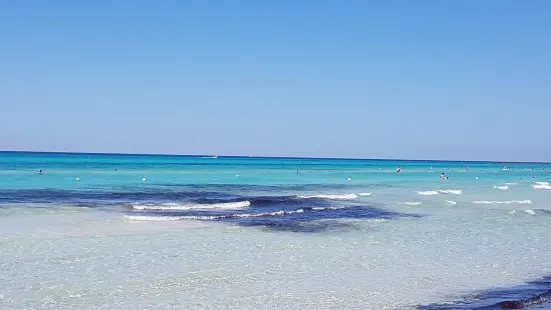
465,80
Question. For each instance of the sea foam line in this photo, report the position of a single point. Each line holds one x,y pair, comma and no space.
338,197
542,185
441,191
503,188
172,206
152,218
524,202
451,191
229,216
411,203
428,193
530,211
533,212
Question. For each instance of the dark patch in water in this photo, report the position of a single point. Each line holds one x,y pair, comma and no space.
277,213
534,295
287,213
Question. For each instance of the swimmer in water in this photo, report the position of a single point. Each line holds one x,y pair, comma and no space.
40,172
398,169
442,176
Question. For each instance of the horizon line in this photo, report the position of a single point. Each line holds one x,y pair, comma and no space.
273,157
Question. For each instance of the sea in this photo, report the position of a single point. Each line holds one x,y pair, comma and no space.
111,231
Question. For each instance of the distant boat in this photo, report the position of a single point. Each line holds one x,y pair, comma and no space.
214,156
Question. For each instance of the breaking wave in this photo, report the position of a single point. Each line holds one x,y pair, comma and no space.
486,202
228,216
533,212
428,193
337,197
411,203
441,191
542,185
503,188
451,191
174,207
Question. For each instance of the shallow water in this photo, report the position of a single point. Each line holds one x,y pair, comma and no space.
250,233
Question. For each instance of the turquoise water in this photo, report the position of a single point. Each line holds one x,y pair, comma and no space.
19,171
334,233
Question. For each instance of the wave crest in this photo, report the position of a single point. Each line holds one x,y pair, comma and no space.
503,188
229,216
336,197
411,203
542,185
451,191
428,193
174,207
441,191
492,202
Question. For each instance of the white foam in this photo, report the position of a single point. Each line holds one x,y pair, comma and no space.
451,202
542,185
441,191
364,194
326,208
428,193
524,202
152,218
503,188
530,211
341,197
411,203
511,183
217,217
172,206
451,191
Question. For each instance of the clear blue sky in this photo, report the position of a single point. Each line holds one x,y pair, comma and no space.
386,79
